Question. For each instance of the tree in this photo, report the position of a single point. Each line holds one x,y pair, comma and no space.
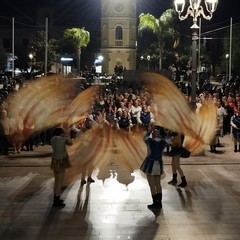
2,58
37,48
235,50
163,28
78,38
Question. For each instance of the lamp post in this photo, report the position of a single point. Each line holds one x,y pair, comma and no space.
227,56
148,58
195,10
31,58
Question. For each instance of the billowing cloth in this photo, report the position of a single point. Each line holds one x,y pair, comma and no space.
48,102
172,111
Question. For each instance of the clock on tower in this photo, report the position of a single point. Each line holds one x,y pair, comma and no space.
119,6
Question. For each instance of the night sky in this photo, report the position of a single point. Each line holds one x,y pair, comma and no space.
86,13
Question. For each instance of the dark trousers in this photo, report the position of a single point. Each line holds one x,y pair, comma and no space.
4,144
29,142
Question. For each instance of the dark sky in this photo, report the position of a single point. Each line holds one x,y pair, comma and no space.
88,11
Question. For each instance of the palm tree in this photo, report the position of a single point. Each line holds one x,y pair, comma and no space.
78,38
162,27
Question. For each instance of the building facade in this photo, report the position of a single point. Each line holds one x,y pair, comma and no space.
118,34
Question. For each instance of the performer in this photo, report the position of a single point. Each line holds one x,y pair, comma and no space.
176,153
152,166
215,139
60,161
5,127
235,123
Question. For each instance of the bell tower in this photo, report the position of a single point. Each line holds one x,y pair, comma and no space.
118,34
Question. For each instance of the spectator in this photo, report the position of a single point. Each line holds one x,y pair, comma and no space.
134,111
145,117
76,129
29,132
235,123
17,133
131,94
4,132
110,111
221,113
227,118
124,121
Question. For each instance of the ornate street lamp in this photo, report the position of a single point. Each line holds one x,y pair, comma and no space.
195,10
227,57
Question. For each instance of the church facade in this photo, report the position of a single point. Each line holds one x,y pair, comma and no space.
118,35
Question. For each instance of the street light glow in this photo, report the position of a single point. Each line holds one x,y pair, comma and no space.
66,59
194,4
100,58
179,5
211,5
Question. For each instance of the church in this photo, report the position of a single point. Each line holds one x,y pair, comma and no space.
118,35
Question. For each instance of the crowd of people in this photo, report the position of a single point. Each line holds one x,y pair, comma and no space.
126,106
18,134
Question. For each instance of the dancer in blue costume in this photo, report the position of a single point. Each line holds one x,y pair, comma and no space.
152,166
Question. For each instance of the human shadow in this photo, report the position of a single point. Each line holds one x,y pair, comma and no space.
185,196
70,224
23,194
80,217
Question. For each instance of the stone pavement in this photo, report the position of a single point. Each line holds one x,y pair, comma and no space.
115,205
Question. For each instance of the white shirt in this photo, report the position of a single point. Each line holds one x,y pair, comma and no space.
134,110
221,112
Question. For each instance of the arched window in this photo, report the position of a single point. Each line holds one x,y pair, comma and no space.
118,36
